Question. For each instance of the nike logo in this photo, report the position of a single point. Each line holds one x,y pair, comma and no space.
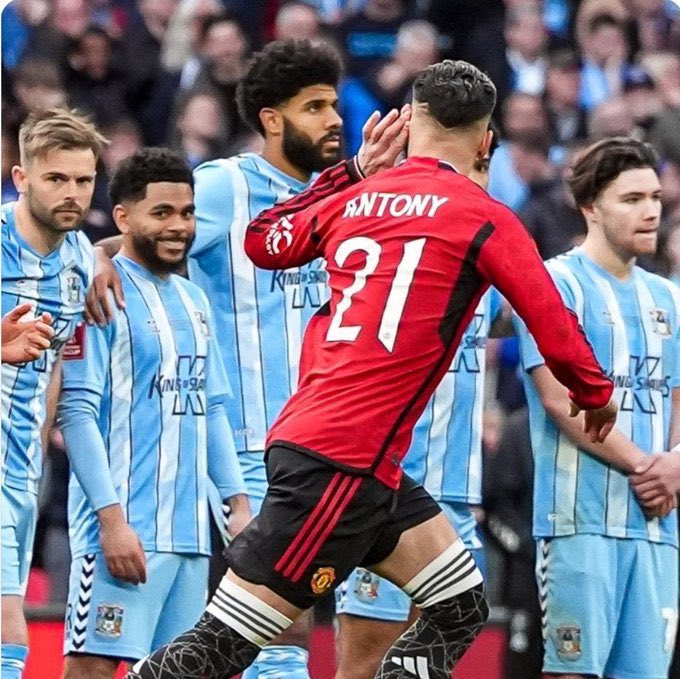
416,666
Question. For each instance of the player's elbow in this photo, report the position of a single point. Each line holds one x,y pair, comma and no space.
257,251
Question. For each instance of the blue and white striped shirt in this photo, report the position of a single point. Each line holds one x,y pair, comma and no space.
634,328
56,283
148,380
260,315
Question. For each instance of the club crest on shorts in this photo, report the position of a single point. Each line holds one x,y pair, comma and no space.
569,642
322,579
366,585
661,321
109,621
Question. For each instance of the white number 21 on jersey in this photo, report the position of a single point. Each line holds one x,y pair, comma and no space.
394,306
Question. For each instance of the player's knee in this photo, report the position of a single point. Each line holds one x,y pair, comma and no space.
298,634
468,609
90,667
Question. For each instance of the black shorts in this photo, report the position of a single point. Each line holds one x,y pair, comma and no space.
317,523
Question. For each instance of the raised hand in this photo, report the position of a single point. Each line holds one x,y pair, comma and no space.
383,140
24,341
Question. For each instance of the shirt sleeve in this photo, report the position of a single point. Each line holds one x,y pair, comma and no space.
84,381
284,236
214,198
507,257
224,469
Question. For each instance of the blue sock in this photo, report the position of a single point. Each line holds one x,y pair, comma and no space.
279,662
13,661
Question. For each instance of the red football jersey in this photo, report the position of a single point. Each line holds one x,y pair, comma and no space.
409,253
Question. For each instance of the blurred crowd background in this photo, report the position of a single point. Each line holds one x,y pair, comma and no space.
164,72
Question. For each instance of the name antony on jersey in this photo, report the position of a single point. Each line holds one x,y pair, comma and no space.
395,204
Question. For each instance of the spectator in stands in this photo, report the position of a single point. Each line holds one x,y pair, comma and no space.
611,118
642,98
37,85
200,132
223,49
668,251
568,119
370,36
95,81
19,19
669,176
151,87
389,86
604,49
665,133
297,21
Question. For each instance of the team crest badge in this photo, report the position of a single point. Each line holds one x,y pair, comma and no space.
203,320
661,321
322,579
366,585
73,287
569,642
279,237
109,621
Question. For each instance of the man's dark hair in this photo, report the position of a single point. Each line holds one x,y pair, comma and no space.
147,166
223,17
601,21
600,164
279,72
456,93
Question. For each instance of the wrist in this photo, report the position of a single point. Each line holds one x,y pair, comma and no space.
237,502
111,516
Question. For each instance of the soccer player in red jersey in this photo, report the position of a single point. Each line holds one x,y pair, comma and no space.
409,253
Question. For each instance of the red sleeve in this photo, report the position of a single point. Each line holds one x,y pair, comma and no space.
283,236
509,260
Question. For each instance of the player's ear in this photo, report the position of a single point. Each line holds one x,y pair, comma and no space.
272,121
485,147
19,178
120,217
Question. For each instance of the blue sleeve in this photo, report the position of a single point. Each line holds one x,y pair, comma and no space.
529,353
84,381
495,305
224,468
214,198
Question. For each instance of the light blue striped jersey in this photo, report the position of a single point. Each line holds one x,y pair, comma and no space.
56,283
634,328
260,315
446,450
151,374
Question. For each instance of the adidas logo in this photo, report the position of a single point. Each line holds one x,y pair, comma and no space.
416,666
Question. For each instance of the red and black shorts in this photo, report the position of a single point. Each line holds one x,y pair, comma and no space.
318,523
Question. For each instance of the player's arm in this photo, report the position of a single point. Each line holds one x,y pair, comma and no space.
51,401
83,382
224,469
99,305
507,257
24,341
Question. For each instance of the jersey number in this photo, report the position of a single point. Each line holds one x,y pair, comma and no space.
394,307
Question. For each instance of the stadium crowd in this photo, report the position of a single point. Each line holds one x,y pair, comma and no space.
568,73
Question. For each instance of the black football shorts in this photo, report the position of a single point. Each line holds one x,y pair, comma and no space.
317,523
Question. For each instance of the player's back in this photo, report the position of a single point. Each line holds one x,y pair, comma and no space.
404,285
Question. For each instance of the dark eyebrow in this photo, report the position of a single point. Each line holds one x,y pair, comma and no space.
162,206
638,194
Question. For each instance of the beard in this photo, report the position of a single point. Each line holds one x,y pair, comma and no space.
48,218
147,250
302,152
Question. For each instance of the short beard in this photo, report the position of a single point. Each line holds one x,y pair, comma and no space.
146,249
299,149
47,220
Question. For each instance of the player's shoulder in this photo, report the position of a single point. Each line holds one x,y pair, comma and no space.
661,287
566,269
222,170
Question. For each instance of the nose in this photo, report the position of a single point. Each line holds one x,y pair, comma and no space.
652,210
71,189
334,119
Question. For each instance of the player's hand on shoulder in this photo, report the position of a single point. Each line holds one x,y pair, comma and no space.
599,422
98,307
122,549
25,340
383,140
237,515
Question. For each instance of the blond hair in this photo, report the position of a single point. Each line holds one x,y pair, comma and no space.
58,128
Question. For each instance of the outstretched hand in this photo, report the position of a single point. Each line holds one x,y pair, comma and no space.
383,140
24,341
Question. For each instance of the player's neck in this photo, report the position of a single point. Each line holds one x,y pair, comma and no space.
38,237
275,156
457,155
618,264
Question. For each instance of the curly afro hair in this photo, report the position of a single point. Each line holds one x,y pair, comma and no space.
147,166
280,71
